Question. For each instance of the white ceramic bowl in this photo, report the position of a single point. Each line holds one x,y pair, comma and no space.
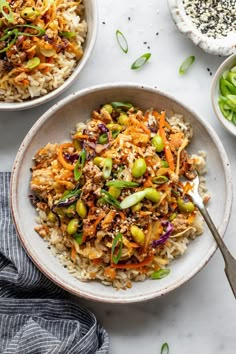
55,126
91,16
215,93
221,46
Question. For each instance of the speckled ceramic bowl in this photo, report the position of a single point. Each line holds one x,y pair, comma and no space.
91,16
215,93
55,127
222,46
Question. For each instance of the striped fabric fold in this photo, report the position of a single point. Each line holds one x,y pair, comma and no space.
36,316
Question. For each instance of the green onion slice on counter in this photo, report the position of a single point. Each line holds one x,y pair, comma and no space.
122,41
165,348
186,64
116,258
140,61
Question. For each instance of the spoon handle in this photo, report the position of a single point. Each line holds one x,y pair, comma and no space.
230,261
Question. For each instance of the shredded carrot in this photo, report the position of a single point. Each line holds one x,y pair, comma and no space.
110,273
60,156
148,182
91,230
73,253
134,245
168,153
122,215
147,260
97,261
80,136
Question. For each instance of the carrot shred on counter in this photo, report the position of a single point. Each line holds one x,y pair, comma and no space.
147,260
168,153
61,158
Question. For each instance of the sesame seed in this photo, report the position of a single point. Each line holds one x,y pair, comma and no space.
214,18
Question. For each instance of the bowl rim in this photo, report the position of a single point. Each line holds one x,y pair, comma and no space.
229,126
13,198
220,46
34,102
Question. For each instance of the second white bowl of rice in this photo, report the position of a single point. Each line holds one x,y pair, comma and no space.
26,83
55,126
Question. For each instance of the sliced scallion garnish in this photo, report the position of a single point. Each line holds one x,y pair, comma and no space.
80,165
78,236
122,184
132,199
14,34
121,106
140,61
67,34
165,348
107,167
41,31
122,41
186,64
6,11
160,274
116,258
110,199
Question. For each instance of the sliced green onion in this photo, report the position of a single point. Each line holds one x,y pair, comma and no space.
132,199
122,184
165,348
122,41
78,236
80,165
13,33
115,133
110,199
8,15
67,34
160,179
159,274
102,139
186,64
32,63
121,106
41,31
164,163
116,258
140,61
68,197
107,167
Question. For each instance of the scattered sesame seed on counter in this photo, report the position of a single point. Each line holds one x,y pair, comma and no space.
214,18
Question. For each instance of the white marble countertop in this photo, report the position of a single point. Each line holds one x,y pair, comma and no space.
199,317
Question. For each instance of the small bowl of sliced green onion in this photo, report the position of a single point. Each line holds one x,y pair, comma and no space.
224,94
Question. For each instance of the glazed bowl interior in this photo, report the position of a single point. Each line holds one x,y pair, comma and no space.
55,127
91,17
215,93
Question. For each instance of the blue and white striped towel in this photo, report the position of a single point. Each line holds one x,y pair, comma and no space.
37,317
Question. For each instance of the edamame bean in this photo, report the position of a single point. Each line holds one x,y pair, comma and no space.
72,226
153,195
98,160
108,108
102,139
137,234
114,191
70,211
139,168
29,13
123,119
164,163
185,207
81,208
158,143
136,208
51,217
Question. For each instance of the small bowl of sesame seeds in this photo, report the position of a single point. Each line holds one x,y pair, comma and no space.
210,24
223,94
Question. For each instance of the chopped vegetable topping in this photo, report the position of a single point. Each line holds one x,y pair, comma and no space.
186,64
140,61
122,41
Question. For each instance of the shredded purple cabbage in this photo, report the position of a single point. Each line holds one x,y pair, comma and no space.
152,128
71,158
103,128
165,236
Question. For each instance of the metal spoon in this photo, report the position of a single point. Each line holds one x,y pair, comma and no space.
230,261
